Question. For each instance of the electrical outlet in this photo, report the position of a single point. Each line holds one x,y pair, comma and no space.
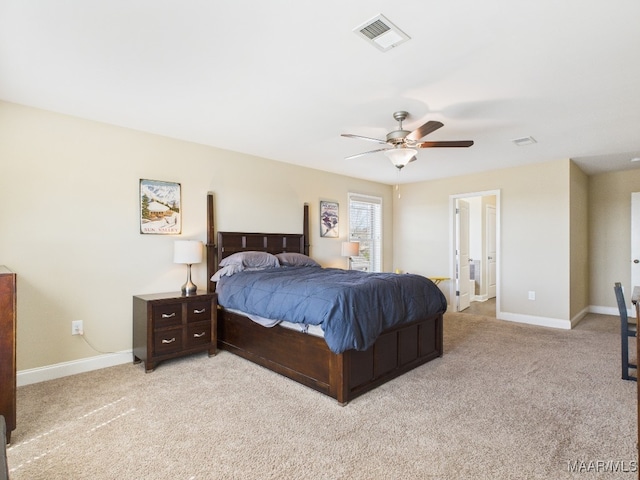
532,295
76,327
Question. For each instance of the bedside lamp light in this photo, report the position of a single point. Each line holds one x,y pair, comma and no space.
187,252
350,249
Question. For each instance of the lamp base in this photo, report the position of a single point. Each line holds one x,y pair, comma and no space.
189,287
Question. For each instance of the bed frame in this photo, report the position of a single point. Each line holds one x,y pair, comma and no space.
306,358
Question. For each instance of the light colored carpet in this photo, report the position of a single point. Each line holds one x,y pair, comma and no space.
506,401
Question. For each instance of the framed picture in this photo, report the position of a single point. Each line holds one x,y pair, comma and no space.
160,211
329,219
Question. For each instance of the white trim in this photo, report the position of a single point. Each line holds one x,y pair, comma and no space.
575,320
610,311
479,298
64,369
563,324
533,320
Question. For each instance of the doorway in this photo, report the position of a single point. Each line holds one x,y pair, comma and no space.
475,257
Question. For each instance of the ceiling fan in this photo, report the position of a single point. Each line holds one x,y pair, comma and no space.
401,145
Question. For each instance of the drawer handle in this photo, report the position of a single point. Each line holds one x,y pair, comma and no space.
199,335
169,341
168,315
200,311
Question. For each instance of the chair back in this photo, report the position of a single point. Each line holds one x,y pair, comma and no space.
626,331
622,306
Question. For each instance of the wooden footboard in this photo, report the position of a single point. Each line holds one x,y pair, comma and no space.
308,360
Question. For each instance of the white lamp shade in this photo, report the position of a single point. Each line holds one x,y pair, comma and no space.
400,156
350,249
187,251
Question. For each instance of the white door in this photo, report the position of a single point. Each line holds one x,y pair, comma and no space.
635,239
462,248
491,251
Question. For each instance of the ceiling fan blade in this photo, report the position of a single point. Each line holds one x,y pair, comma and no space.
424,130
349,135
454,143
365,153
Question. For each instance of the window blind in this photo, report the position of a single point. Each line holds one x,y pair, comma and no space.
365,226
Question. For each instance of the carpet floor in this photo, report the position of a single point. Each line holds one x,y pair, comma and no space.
506,401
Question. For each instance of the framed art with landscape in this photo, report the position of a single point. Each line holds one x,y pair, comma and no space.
160,212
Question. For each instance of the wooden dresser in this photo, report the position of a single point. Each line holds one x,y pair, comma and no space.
8,348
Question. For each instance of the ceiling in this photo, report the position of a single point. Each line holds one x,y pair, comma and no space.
282,79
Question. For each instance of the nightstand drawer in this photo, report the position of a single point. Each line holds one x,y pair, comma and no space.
199,311
198,334
167,341
167,315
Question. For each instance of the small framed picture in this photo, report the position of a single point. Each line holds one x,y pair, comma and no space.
329,219
160,211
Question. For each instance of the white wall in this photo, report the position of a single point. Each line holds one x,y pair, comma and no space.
69,196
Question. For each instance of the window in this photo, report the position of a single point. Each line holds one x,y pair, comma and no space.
365,226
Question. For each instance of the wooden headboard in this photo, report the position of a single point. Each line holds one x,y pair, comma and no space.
229,243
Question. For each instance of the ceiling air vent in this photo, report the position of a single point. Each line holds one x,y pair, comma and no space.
521,142
380,32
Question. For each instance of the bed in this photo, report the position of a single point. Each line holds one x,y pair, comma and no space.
307,358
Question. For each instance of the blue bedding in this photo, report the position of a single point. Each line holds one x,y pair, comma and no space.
352,307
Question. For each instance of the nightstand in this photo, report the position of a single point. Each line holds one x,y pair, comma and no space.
169,325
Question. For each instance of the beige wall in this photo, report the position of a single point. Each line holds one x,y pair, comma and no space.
610,233
579,276
70,221
534,201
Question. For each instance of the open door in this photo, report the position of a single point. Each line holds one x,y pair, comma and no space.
462,256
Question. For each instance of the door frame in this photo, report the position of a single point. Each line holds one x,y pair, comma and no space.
452,245
634,254
488,208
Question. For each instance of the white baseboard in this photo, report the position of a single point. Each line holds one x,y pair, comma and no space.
479,298
610,311
575,320
533,320
58,370
560,323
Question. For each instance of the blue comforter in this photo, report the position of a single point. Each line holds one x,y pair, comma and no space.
352,307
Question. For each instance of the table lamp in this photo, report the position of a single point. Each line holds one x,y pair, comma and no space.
187,252
350,249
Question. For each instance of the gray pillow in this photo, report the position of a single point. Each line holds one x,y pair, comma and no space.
251,259
292,259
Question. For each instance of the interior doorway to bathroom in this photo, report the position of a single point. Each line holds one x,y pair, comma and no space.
475,256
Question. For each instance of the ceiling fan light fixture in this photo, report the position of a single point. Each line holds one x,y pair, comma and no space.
400,156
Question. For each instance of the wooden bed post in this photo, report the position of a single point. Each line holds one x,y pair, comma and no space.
211,247
305,229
